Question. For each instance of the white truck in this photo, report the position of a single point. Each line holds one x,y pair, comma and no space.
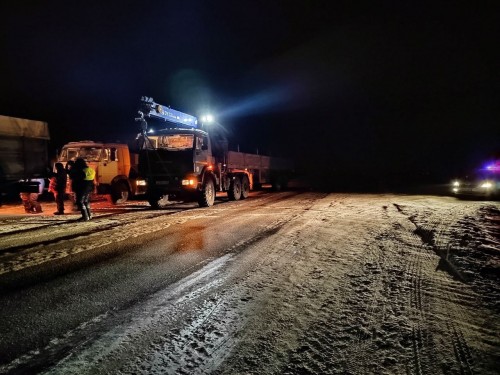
115,166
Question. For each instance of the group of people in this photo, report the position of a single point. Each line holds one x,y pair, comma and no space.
82,184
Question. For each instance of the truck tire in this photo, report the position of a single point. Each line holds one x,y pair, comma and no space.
234,192
158,201
119,193
207,194
245,187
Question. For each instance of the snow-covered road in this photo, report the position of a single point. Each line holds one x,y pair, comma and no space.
285,283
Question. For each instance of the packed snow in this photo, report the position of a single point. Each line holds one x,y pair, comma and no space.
334,283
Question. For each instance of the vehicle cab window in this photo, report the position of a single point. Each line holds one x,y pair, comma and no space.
110,154
201,143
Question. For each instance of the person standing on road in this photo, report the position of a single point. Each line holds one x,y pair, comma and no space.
71,191
59,189
83,184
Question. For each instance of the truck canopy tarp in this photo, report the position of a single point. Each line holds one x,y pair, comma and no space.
18,127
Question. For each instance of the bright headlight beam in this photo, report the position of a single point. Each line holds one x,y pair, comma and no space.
207,119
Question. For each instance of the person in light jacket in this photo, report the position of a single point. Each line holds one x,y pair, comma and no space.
82,177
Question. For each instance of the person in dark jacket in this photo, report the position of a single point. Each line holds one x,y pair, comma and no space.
69,165
82,177
59,181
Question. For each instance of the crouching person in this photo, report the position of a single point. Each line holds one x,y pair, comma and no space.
30,189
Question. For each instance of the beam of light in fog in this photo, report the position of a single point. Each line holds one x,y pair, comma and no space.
264,101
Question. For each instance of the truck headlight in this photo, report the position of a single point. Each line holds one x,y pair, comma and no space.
486,185
456,183
141,183
190,182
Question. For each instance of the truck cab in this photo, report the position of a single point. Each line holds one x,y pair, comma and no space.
112,163
177,163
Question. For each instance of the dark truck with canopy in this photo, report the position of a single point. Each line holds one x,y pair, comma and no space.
182,162
23,152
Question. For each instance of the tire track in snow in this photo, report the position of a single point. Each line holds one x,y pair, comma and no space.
280,261
44,247
89,338
182,341
344,346
36,237
449,309
380,296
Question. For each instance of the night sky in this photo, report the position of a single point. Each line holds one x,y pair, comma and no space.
389,93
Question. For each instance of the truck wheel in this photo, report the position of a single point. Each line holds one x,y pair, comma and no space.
158,201
207,194
120,193
234,192
245,187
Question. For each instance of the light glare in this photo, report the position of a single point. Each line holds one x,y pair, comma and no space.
207,119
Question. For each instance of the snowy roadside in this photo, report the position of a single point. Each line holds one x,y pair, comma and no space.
467,242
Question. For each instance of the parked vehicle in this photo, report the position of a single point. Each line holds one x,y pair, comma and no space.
23,152
483,182
115,166
184,162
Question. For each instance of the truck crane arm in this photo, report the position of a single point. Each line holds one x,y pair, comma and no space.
150,109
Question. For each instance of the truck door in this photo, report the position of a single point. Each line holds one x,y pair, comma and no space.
108,166
202,155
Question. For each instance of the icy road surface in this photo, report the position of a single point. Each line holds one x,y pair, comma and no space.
284,283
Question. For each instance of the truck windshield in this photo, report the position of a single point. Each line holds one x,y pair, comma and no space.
176,141
87,153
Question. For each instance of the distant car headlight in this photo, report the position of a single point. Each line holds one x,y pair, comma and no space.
456,183
141,183
487,185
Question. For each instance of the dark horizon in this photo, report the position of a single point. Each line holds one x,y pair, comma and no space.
360,91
